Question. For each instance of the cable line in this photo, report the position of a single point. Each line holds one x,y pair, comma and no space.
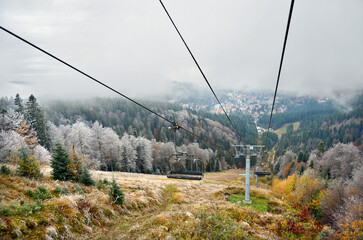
83,73
200,69
103,84
281,61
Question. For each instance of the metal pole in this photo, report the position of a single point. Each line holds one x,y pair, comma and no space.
256,179
247,192
248,174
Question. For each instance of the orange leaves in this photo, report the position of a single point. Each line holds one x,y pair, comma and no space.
28,135
352,228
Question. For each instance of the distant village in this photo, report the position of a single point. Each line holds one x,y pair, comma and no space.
255,104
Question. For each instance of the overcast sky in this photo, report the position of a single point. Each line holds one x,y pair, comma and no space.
132,46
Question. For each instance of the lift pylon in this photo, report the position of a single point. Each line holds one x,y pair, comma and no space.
248,151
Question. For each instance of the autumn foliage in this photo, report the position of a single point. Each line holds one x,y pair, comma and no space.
28,165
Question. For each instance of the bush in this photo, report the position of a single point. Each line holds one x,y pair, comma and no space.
40,194
4,170
86,178
57,191
5,211
61,191
100,184
78,189
116,194
28,166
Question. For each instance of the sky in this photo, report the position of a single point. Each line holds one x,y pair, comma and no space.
132,46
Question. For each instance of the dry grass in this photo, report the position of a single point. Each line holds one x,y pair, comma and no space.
155,208
184,207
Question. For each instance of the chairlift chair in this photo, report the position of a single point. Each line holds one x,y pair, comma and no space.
179,169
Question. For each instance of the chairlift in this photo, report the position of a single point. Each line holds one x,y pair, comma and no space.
259,169
185,166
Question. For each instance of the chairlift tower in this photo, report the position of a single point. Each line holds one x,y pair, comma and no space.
248,151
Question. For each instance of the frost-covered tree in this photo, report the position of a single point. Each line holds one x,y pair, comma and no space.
143,155
126,143
340,161
97,145
19,104
10,141
42,154
61,134
112,149
10,120
80,137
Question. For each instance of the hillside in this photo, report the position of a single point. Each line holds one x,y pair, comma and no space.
155,208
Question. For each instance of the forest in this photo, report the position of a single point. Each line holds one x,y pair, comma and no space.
115,135
324,125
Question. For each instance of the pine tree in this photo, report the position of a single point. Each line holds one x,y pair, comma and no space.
31,111
116,194
86,177
75,166
43,130
35,117
321,147
311,165
19,103
59,163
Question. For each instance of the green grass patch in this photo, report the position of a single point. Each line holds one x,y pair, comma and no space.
124,226
170,188
258,204
283,129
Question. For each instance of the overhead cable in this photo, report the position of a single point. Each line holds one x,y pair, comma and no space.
101,83
200,69
281,61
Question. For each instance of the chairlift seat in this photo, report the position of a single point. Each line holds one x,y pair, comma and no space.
262,173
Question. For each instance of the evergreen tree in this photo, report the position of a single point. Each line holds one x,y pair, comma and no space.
302,157
60,163
35,117
311,165
116,194
43,130
19,103
301,169
86,177
31,111
321,147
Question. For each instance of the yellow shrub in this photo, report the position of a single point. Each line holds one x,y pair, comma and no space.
284,187
177,198
307,188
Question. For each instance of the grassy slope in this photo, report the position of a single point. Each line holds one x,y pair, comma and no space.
155,208
283,129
